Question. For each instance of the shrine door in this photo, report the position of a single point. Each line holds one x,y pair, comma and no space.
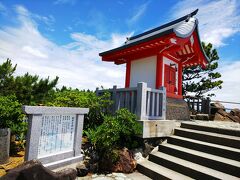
170,78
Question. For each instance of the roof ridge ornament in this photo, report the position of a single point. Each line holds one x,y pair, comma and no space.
193,13
189,16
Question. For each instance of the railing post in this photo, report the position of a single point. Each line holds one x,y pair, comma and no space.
97,91
141,100
164,102
208,106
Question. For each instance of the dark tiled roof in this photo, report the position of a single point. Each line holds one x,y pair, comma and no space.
153,33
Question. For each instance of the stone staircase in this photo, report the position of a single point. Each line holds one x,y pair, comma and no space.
196,152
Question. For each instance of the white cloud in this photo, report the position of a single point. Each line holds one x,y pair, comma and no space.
230,72
218,19
34,52
26,16
138,13
77,64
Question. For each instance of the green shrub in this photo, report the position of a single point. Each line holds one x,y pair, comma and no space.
97,105
10,112
11,116
115,132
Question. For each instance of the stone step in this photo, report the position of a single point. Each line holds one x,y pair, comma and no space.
216,138
188,168
215,149
214,162
155,171
226,131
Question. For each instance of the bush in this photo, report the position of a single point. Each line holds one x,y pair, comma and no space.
11,116
10,112
115,132
97,105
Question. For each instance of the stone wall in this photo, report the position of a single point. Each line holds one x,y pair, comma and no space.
177,109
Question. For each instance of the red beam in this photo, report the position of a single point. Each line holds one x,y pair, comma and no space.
180,79
128,73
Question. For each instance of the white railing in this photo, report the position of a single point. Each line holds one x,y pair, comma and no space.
145,102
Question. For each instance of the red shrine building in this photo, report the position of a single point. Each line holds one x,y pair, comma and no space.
158,56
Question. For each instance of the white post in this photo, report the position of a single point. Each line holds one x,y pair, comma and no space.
164,102
141,100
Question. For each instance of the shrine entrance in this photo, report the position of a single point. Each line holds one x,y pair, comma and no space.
170,79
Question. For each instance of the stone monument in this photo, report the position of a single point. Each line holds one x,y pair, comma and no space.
4,145
54,135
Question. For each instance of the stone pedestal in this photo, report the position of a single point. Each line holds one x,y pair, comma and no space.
157,128
4,145
177,109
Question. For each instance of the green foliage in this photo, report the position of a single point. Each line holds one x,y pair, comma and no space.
85,99
29,89
10,112
6,77
199,80
11,116
115,132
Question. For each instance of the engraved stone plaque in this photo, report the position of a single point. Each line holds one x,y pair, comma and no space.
57,134
54,134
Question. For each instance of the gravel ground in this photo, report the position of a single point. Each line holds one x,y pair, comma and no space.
116,176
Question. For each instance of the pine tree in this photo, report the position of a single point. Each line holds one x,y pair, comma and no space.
201,81
29,89
6,77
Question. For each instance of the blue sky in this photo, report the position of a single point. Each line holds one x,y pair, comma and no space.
63,37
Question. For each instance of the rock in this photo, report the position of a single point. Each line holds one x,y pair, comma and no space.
222,115
235,112
34,170
68,174
138,157
119,175
229,116
147,149
126,162
81,170
215,107
204,117
93,167
236,119
219,117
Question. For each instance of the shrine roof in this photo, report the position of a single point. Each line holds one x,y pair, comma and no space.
182,27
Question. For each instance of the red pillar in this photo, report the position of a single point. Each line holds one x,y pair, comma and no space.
180,79
128,71
159,71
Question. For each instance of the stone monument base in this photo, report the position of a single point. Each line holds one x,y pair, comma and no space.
64,162
157,128
177,109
